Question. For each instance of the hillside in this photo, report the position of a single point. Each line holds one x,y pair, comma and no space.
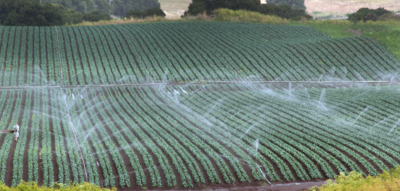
173,106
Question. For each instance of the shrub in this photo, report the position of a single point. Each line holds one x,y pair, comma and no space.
366,14
370,16
355,182
389,16
246,16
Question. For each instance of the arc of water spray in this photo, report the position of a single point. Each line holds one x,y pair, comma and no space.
361,114
248,130
394,126
74,131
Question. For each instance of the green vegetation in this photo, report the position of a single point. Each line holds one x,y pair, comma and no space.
121,7
72,17
30,13
65,90
304,44
147,13
246,16
96,16
387,33
284,11
116,7
366,14
25,186
387,181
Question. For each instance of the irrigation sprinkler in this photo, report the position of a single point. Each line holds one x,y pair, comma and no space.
15,131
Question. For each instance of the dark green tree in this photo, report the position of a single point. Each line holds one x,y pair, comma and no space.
366,14
96,16
199,6
73,17
284,11
104,6
83,6
146,13
121,7
30,13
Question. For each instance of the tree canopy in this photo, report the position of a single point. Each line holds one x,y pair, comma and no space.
121,7
116,7
146,13
30,13
284,11
96,16
366,14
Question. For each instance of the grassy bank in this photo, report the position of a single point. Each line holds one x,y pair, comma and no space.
387,181
386,33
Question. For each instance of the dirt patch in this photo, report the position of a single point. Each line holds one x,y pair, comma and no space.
295,186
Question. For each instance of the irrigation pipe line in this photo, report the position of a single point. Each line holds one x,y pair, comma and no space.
196,83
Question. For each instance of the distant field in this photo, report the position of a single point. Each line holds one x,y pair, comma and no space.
341,7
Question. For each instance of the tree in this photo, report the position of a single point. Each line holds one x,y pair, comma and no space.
83,6
121,7
73,17
30,13
367,14
199,6
103,6
96,16
146,13
284,11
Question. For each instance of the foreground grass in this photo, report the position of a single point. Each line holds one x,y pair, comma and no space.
385,32
25,186
387,181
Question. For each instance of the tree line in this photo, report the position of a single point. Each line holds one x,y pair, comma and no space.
114,7
289,9
59,12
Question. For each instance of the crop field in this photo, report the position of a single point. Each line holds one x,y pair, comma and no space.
194,105
184,52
